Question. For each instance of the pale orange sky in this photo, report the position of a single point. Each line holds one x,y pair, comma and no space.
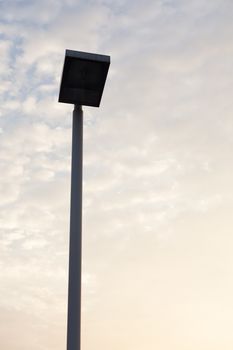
158,199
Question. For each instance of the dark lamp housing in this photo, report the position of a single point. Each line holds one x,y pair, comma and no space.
83,78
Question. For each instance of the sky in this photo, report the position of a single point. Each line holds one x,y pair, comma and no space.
158,194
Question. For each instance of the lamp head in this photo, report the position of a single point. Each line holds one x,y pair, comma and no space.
83,78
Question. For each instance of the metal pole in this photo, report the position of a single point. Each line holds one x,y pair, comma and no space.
75,256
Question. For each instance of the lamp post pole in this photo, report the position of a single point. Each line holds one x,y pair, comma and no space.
83,79
75,256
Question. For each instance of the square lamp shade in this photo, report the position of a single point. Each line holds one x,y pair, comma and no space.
83,78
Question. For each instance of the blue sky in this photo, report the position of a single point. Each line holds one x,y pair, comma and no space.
157,242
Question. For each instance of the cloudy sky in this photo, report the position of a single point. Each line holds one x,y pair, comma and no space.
158,194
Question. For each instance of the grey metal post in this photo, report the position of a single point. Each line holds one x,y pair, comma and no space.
75,256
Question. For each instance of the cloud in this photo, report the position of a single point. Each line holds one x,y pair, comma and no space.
157,161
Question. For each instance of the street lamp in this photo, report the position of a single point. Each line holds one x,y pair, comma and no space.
83,79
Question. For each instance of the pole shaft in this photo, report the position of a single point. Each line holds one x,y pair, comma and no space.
75,255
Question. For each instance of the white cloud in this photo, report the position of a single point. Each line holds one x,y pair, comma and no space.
157,171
